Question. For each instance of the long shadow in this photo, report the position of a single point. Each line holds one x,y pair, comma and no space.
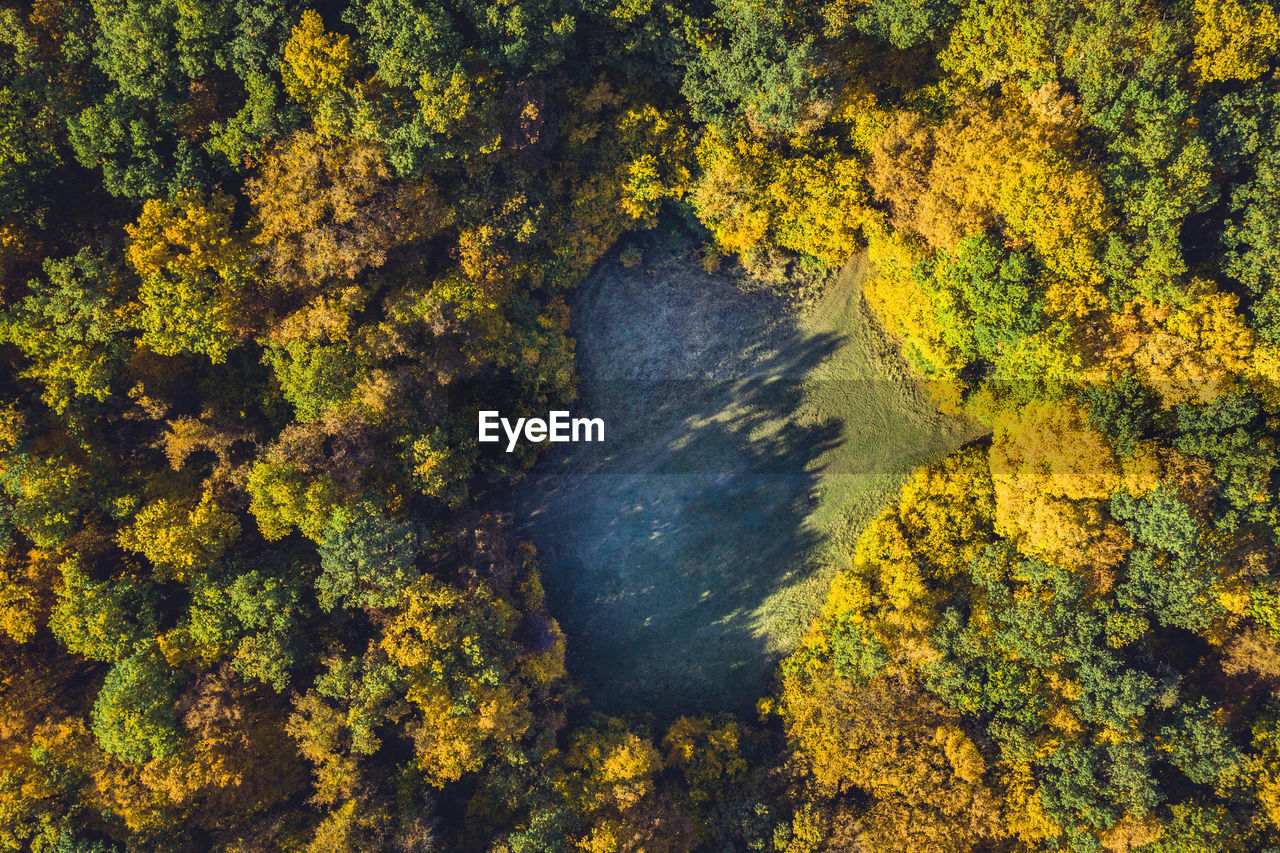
660,545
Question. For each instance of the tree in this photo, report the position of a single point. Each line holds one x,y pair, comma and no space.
745,63
907,23
148,50
895,743
133,716
1234,41
1011,40
407,42
987,300
447,101
181,537
103,620
282,496
1251,242
855,654
73,327
1123,410
152,90
315,63
250,618
317,378
441,466
28,148
194,270
1002,161
328,209
458,651
235,760
1200,746
1127,62
367,559
1051,474
810,200
254,54
26,587
49,495
116,137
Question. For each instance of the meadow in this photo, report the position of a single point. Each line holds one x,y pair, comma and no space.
749,441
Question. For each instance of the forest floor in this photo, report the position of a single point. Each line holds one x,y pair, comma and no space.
747,444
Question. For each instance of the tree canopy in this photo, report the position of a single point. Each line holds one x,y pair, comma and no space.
261,264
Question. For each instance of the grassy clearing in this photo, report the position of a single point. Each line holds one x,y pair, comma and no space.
746,446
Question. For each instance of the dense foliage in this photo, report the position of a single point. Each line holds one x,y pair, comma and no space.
262,262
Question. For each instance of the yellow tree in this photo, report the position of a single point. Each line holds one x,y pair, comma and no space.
315,63
1234,40
179,537
458,650
810,199
927,780
610,778
1009,161
1191,353
331,209
1052,474
195,270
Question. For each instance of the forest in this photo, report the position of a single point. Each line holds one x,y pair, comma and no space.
263,261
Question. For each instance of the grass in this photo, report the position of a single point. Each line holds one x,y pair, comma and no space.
746,447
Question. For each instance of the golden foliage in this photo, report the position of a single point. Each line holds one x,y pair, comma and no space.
617,766
1005,162
282,497
810,199
905,306
238,759
996,40
1188,354
195,270
470,701
330,209
663,171
26,592
190,236
315,63
178,538
903,747
1051,474
707,753
1234,40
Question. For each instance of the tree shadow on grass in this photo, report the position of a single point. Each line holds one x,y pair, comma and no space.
661,545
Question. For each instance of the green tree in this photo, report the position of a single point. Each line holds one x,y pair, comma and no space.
29,152
1123,410
73,327
990,299
1128,62
746,62
116,136
133,716
102,620
250,618
1227,433
855,654
317,378
367,558
1199,745
49,496
907,23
